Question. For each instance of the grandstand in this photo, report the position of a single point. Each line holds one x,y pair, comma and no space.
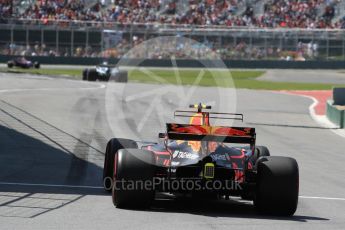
229,13
234,29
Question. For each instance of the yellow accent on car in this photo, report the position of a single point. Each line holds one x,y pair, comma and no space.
202,106
209,171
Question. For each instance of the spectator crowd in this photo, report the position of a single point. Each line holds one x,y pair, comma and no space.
276,13
180,49
299,14
309,14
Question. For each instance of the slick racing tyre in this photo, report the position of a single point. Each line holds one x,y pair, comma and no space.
260,151
258,156
133,169
85,72
37,65
113,146
92,75
277,186
10,64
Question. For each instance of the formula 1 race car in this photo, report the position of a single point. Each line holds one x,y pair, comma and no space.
23,63
202,160
105,72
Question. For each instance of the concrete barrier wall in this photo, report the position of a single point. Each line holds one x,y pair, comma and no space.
258,64
335,115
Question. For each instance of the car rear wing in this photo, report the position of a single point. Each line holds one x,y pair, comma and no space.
211,133
214,115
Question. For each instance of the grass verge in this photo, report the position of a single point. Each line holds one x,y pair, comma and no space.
75,73
221,78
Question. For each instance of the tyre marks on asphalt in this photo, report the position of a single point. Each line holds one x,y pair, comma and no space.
31,148
88,109
34,122
80,149
36,149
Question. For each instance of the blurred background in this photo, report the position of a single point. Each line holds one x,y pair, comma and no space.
298,30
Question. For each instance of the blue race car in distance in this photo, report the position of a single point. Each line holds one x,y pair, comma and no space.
22,62
105,72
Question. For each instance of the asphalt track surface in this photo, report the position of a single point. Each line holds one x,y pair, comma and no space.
53,134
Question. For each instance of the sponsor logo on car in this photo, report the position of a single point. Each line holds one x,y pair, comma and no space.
185,155
219,157
174,163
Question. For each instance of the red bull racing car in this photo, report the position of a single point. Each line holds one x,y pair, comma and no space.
201,159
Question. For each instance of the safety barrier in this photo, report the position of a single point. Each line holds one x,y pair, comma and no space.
257,64
335,114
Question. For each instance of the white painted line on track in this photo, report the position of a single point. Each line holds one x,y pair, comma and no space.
322,198
320,119
51,89
311,107
51,185
99,187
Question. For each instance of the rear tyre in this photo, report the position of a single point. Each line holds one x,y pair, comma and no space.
92,75
113,146
261,151
85,73
277,186
10,64
134,167
37,65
